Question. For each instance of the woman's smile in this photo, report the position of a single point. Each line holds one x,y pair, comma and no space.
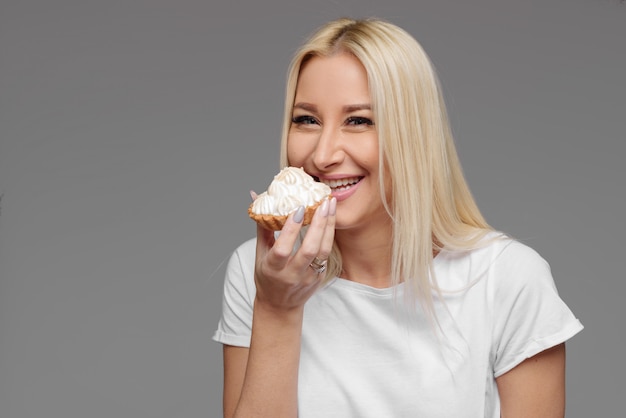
342,188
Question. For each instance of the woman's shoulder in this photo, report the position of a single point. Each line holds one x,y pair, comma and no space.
495,254
515,265
246,248
240,268
513,252
499,247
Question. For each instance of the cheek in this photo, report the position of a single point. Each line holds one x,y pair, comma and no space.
369,153
296,152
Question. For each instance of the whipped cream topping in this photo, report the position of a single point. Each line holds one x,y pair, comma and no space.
292,187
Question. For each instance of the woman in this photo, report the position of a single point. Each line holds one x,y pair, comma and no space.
424,310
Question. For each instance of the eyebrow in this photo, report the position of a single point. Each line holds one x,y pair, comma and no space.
347,109
356,107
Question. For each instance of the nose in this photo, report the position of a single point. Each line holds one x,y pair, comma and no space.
328,150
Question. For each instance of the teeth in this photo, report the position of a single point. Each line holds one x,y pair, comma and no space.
341,182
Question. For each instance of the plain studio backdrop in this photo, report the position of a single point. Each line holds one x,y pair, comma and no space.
131,132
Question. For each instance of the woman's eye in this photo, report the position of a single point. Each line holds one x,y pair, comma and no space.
303,120
357,120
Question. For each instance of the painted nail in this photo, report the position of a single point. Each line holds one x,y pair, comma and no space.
333,207
324,208
299,215
253,195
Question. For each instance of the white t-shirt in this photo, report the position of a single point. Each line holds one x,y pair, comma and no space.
364,354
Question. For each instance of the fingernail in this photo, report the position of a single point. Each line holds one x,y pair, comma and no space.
324,208
253,194
333,207
299,215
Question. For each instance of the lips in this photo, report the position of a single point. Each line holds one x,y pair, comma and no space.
341,188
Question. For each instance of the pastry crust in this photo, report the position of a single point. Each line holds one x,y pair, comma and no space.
276,222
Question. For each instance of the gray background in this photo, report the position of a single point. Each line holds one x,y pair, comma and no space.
132,131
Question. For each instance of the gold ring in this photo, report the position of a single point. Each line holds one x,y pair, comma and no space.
319,266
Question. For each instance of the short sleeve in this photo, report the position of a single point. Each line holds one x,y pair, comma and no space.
529,315
235,324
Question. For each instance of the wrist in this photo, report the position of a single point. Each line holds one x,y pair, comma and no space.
279,314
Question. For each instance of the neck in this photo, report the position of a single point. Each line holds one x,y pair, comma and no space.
366,254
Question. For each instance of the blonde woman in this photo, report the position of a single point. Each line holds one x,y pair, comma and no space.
423,309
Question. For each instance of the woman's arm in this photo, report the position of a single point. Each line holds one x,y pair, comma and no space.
262,381
536,387
235,363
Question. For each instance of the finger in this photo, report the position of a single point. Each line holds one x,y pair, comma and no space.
327,241
310,247
328,238
284,245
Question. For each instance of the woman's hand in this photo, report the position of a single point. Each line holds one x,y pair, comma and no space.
283,274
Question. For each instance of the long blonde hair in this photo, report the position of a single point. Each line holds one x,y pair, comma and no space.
431,205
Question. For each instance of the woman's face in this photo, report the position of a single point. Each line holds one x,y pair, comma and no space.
334,138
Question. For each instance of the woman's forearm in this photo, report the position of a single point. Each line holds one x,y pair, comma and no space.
270,385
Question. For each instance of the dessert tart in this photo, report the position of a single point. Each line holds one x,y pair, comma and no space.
291,188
